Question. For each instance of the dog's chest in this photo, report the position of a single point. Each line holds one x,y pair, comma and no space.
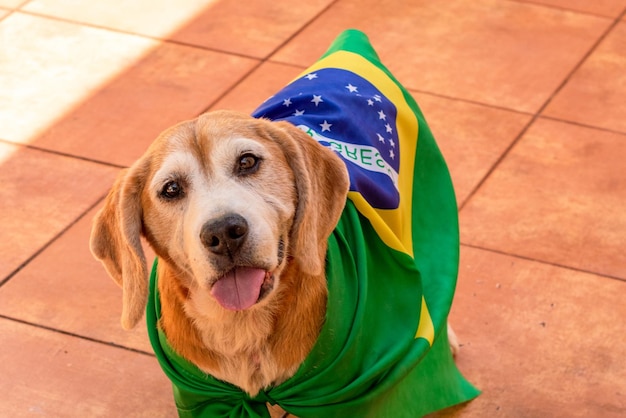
246,357
250,370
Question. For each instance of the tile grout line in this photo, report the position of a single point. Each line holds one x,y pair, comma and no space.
164,40
233,86
23,146
548,263
71,334
9,13
167,40
35,255
582,125
299,31
242,79
24,3
268,57
12,9
469,101
584,58
49,243
539,112
560,8
515,111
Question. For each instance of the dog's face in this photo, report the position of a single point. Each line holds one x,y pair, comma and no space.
220,205
226,200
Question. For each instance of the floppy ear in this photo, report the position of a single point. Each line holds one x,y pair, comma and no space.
322,187
115,241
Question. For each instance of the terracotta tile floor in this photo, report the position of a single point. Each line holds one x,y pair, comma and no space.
527,100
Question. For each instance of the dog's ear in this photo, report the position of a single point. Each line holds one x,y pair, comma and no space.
322,187
115,241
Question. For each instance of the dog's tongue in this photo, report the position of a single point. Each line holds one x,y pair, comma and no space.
239,289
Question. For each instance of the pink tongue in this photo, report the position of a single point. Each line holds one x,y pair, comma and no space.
239,289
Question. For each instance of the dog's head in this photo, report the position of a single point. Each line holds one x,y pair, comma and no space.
226,200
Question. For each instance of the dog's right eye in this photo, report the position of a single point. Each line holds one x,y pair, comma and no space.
248,164
172,190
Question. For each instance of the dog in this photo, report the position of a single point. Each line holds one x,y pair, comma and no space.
252,221
222,198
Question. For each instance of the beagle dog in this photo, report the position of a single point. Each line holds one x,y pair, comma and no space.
238,211
313,277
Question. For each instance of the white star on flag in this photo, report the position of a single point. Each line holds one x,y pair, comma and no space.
287,102
392,155
377,98
351,88
298,113
370,102
388,128
317,99
380,138
311,76
381,115
326,126
393,144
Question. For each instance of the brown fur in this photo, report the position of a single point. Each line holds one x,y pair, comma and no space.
299,192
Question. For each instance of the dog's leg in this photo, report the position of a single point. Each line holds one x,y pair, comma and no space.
453,341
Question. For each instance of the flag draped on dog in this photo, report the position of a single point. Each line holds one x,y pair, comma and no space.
392,260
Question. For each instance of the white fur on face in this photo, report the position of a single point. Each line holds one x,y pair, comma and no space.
211,189
170,216
221,193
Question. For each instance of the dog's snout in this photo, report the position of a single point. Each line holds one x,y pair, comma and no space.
225,235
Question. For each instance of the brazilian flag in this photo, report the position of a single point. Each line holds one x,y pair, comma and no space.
392,260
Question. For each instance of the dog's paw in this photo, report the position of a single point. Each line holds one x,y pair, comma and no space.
453,341
278,412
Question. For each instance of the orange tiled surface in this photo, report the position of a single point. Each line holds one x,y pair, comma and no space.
527,100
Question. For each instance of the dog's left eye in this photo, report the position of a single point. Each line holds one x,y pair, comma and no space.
248,163
172,190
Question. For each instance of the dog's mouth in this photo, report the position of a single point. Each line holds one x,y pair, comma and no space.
242,287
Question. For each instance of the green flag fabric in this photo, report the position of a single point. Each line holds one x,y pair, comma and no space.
392,260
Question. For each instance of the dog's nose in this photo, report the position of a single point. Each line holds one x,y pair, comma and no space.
224,236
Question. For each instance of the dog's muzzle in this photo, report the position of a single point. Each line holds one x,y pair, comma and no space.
241,285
